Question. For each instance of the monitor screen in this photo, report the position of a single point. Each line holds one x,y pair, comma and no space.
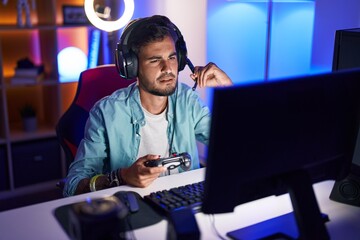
263,132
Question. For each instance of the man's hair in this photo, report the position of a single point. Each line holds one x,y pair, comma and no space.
151,29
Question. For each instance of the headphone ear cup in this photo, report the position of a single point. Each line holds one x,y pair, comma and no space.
119,62
125,59
131,65
126,64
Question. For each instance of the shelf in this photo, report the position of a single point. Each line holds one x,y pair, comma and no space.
42,27
20,151
28,189
18,135
45,82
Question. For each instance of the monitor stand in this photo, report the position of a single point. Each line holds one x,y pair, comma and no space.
305,222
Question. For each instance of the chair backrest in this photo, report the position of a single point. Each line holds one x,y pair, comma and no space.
94,84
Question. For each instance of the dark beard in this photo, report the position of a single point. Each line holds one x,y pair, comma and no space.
166,92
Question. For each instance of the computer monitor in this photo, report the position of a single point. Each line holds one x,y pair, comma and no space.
346,49
282,136
347,56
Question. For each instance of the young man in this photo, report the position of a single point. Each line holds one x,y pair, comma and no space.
154,117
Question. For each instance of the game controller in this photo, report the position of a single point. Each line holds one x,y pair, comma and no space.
182,160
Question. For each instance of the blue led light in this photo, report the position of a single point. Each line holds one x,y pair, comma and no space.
94,48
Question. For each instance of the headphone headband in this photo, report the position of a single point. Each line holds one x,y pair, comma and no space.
126,59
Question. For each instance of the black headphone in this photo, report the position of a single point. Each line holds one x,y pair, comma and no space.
127,61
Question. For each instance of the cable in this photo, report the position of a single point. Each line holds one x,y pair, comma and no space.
212,220
128,235
174,119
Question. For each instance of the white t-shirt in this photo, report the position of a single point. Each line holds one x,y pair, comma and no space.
154,137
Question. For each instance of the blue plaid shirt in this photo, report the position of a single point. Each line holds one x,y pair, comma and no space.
112,130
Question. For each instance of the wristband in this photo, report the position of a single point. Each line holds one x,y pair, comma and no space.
120,179
93,182
113,179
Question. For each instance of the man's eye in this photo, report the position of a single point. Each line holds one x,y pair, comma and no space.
154,61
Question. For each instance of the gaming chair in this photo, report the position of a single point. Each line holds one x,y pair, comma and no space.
94,84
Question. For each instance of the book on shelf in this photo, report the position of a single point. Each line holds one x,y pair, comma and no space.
29,71
28,75
27,79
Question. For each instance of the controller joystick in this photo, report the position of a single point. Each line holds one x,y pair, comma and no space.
182,160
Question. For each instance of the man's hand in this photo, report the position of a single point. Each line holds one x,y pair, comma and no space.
139,175
210,76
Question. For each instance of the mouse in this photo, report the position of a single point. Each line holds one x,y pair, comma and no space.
129,199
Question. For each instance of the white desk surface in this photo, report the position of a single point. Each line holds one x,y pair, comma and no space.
38,222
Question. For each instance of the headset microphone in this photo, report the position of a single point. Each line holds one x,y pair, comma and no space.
192,68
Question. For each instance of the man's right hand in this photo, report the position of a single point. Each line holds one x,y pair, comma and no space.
138,175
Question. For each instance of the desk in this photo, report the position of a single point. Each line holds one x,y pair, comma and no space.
38,222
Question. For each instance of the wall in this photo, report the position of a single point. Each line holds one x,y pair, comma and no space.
331,15
233,33
260,40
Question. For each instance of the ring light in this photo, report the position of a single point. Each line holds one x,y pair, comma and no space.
109,26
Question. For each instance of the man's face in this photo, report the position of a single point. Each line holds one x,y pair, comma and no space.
158,67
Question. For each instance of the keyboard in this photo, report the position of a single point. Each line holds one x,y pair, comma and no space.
168,201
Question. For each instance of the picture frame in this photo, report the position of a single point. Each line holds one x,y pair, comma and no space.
74,15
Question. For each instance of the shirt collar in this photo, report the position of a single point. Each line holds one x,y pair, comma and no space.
135,104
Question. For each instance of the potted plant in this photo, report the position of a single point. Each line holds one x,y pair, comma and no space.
28,115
